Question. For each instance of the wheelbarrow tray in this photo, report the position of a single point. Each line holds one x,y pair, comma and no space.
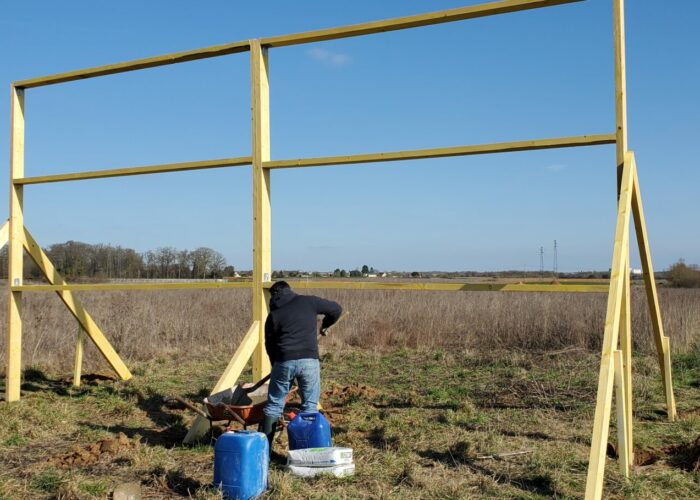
236,400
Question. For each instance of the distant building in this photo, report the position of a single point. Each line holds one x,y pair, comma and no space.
636,272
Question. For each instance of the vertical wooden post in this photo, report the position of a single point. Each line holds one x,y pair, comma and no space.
262,261
16,240
78,367
620,152
621,404
613,315
626,359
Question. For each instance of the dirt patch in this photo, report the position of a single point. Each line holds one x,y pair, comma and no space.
343,395
84,456
646,457
686,456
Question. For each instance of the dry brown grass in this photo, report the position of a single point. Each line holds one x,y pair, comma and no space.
149,325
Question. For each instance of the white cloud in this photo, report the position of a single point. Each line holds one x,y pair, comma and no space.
328,58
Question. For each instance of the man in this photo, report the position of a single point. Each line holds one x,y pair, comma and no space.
292,345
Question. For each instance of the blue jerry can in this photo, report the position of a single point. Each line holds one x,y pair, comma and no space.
241,460
309,430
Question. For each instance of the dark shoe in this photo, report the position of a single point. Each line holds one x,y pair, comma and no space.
269,428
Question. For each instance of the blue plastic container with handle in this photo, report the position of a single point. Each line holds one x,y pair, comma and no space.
241,461
309,430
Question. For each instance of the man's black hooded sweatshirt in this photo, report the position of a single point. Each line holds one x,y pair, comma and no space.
290,329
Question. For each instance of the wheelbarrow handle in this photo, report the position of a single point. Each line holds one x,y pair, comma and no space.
187,404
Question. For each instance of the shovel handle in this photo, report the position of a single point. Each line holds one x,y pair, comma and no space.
257,384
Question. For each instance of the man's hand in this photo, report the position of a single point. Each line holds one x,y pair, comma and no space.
323,332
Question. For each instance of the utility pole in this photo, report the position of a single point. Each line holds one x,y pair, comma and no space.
541,262
555,268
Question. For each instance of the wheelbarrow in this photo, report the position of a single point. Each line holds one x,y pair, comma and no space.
242,403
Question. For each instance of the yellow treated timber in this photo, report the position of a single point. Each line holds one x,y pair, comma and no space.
445,16
150,62
151,169
262,231
78,365
75,307
668,377
501,147
621,383
601,422
626,355
229,377
108,287
438,17
651,292
4,234
444,287
621,150
16,239
620,86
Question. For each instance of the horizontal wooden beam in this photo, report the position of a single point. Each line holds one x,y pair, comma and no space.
329,284
439,17
445,287
501,147
123,172
150,62
444,16
108,287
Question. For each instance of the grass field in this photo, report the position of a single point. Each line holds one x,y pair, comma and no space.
422,424
428,388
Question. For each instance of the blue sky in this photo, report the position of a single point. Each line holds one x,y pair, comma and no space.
536,74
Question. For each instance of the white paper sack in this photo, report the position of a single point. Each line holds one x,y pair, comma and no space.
320,457
337,471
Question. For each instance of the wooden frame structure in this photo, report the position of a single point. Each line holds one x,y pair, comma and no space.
615,368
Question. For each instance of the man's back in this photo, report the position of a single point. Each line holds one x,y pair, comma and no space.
290,329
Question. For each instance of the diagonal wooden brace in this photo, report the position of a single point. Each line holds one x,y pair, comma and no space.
75,307
660,339
228,378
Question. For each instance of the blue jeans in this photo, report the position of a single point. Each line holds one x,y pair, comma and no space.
307,372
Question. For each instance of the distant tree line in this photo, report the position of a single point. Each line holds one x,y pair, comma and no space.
682,275
74,259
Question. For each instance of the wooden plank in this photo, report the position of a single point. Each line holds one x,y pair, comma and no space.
444,287
601,422
626,353
15,269
151,169
668,368
78,365
345,285
75,307
262,232
149,62
621,383
620,151
229,377
110,287
445,16
620,86
650,288
502,147
5,233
